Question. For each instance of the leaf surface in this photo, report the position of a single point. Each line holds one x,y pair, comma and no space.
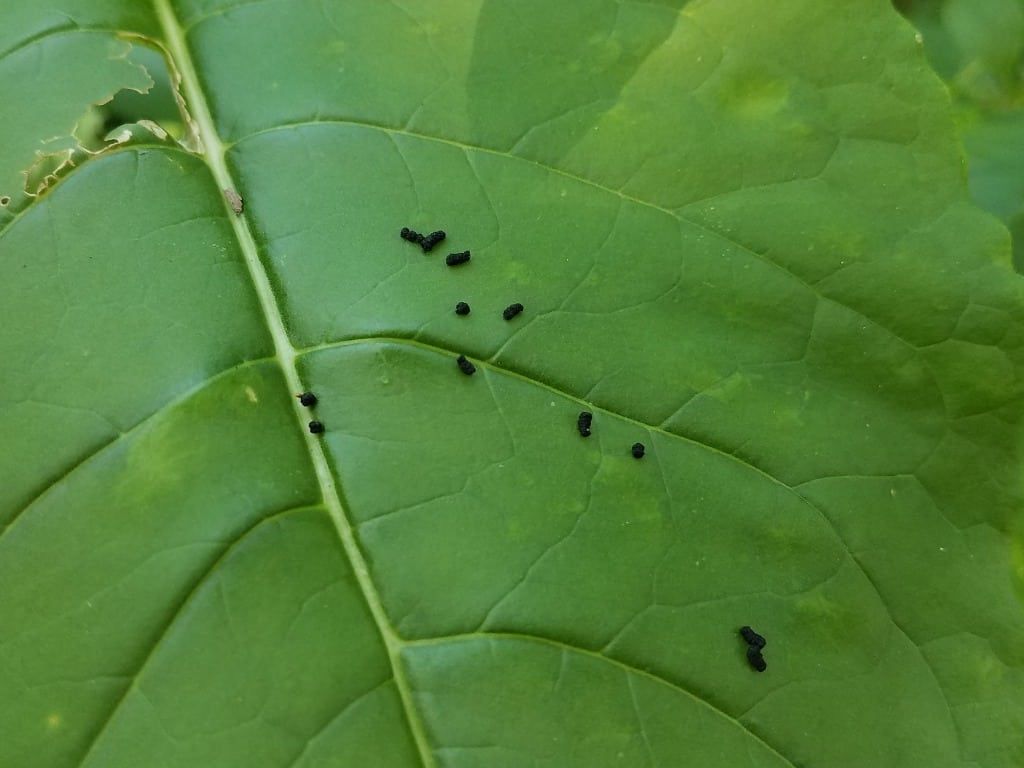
741,235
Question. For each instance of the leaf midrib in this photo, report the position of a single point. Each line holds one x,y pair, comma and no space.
214,155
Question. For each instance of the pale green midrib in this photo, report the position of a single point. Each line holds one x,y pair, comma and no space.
628,669
214,154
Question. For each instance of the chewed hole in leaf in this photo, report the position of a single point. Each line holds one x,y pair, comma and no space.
157,105
57,152
143,106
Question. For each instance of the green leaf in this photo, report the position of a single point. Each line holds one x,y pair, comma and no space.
741,234
978,47
975,44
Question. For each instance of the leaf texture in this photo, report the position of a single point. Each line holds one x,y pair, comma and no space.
741,235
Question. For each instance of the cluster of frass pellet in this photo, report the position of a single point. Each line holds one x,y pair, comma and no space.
584,422
427,243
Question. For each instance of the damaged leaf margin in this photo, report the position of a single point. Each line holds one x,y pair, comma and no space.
58,99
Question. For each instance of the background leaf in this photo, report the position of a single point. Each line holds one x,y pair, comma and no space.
978,47
741,235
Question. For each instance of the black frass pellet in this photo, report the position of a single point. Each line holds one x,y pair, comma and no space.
308,399
411,235
756,659
753,639
465,366
427,242
316,427
583,422
454,259
512,310
638,450
462,308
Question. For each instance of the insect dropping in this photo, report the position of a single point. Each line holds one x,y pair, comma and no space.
512,310
756,659
454,259
411,235
752,638
583,422
427,242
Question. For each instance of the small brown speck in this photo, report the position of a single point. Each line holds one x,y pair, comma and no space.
234,200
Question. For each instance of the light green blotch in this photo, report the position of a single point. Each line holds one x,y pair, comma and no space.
821,611
755,97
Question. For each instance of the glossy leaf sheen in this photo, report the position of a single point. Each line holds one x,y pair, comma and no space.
740,233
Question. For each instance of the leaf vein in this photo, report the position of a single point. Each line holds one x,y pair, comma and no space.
172,619
160,412
299,125
623,666
834,530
